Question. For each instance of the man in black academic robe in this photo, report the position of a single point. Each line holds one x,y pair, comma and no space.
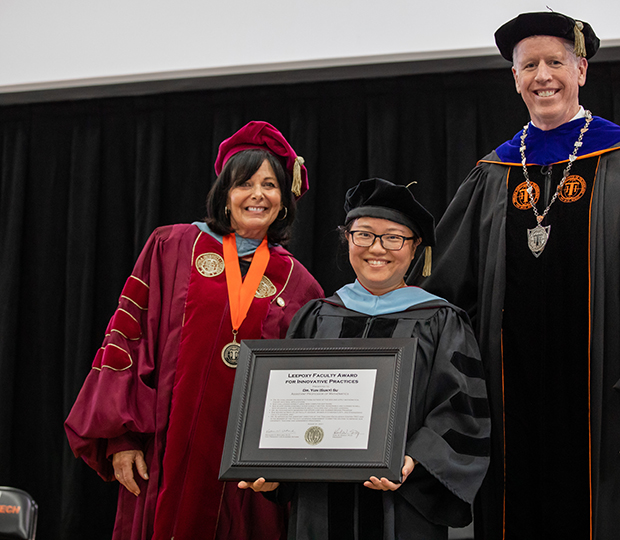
529,247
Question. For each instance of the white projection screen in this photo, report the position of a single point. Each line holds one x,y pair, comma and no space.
82,43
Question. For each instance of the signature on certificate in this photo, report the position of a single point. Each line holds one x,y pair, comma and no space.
340,433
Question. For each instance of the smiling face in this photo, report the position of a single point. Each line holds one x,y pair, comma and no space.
548,77
254,204
377,269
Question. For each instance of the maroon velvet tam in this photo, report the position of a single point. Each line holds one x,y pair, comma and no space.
262,135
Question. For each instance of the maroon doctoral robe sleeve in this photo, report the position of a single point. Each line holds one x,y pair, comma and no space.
118,404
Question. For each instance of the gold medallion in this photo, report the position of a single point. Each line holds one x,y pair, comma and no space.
209,264
230,354
265,288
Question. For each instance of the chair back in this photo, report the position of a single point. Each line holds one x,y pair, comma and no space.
18,514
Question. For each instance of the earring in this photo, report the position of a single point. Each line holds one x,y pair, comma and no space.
285,214
226,211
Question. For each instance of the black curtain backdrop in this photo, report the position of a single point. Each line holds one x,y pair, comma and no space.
82,184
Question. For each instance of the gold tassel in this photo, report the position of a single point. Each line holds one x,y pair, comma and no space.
426,271
296,187
580,40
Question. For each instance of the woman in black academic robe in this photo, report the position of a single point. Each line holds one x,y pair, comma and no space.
447,448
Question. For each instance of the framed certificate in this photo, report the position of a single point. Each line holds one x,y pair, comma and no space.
324,410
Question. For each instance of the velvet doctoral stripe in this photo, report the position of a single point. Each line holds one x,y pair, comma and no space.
546,358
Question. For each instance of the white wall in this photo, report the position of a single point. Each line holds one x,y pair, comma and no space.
57,43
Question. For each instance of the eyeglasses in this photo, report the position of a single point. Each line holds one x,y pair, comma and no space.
391,242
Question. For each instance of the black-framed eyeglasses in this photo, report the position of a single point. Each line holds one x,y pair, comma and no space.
391,242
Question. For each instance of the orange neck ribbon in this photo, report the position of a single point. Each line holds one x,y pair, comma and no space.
241,293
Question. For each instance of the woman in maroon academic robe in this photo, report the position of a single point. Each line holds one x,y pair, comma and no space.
153,410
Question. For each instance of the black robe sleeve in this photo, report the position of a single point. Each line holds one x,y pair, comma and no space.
449,424
470,235
305,321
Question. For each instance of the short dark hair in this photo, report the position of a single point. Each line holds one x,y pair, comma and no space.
238,169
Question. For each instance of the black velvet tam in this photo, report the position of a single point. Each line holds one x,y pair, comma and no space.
382,199
544,23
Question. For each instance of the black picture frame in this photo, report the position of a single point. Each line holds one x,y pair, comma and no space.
394,361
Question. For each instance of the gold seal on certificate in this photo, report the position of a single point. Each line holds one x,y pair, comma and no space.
314,435
230,354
